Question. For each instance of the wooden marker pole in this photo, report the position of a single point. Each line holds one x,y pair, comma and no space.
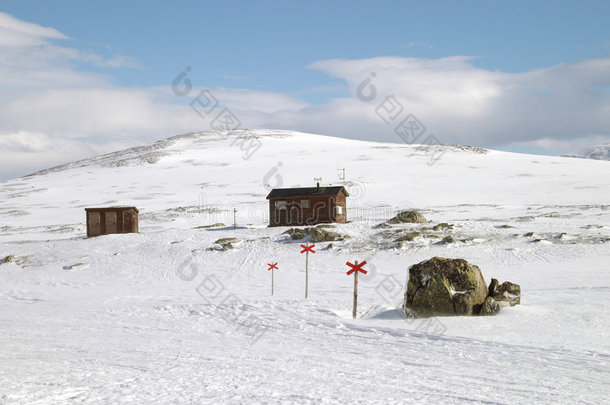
306,273
306,249
271,268
355,268
355,308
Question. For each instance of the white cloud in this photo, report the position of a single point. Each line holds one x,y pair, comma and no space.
461,103
14,32
26,152
53,111
30,59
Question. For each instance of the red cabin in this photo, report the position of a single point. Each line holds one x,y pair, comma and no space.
307,205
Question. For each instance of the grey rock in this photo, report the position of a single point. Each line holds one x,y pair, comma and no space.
409,236
412,216
442,286
225,243
508,293
441,226
490,307
316,234
493,285
296,233
446,240
7,259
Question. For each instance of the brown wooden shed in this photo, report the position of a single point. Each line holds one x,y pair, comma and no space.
104,221
307,205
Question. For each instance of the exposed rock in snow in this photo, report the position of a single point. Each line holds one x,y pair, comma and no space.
442,286
317,234
411,216
7,259
490,307
442,226
507,292
500,296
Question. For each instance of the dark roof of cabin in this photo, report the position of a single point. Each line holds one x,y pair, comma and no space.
305,192
115,208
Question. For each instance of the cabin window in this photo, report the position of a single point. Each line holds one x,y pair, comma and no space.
339,210
280,205
304,203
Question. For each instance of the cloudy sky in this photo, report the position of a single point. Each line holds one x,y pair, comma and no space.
83,78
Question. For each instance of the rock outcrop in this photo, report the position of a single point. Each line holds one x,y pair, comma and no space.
445,287
499,296
507,292
442,286
7,259
442,226
412,216
409,236
317,234
490,307
225,244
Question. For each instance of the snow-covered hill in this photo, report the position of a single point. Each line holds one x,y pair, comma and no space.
597,152
164,316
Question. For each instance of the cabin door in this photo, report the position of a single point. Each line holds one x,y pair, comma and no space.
94,224
295,215
127,221
111,222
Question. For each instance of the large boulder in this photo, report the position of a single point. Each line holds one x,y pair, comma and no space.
412,216
442,287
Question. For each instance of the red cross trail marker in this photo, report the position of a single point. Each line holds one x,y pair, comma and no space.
355,268
271,267
306,249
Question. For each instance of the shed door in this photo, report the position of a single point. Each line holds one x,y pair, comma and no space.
94,226
110,217
127,221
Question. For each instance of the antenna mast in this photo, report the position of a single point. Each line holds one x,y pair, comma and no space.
342,175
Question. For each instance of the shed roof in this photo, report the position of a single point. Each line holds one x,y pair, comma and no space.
306,192
116,208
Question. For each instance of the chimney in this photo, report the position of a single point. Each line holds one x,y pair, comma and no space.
318,187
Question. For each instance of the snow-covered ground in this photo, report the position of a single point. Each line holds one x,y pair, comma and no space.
159,317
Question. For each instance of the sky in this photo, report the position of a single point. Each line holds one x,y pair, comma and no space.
78,79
